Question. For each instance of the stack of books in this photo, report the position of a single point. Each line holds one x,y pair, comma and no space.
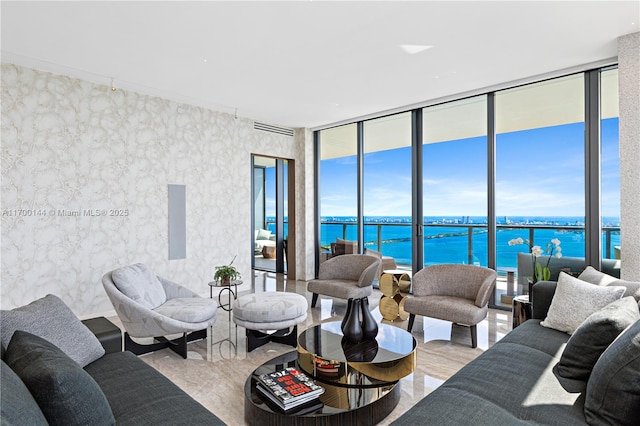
289,388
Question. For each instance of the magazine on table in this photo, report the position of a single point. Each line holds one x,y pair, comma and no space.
288,387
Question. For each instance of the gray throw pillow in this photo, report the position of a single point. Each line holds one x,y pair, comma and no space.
574,300
66,394
17,404
51,319
593,276
140,284
594,336
613,390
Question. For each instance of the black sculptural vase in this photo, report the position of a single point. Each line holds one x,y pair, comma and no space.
369,325
352,328
346,314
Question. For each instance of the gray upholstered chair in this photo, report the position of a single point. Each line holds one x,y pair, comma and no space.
456,293
346,276
151,306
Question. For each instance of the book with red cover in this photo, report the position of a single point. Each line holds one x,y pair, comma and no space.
289,387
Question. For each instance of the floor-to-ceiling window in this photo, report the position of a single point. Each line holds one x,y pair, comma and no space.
610,164
387,187
514,161
338,188
540,138
455,182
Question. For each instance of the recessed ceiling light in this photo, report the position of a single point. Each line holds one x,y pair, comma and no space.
412,49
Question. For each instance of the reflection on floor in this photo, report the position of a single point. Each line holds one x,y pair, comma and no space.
216,370
266,264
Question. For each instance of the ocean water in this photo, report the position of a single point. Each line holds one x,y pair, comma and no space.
446,243
446,238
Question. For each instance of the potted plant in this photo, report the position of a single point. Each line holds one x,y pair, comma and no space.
226,273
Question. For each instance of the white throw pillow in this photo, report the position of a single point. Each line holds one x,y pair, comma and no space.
574,300
263,234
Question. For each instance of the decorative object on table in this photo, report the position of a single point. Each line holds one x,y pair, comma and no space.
289,388
369,325
226,273
347,313
540,273
395,286
352,329
363,316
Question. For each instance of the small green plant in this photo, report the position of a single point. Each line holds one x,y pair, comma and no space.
226,273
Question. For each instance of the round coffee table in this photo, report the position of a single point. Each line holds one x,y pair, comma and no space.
360,381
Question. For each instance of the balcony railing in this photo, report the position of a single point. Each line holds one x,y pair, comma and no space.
470,230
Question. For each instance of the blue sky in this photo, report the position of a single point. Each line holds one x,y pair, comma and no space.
540,172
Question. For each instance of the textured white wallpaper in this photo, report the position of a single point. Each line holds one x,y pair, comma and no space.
629,93
73,151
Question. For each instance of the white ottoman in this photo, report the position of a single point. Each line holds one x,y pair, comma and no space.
259,313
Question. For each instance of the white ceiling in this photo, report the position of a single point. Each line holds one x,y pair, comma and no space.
311,63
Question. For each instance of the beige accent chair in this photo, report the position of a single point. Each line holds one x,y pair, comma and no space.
456,293
344,277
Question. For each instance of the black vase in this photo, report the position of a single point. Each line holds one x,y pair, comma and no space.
352,328
369,325
346,314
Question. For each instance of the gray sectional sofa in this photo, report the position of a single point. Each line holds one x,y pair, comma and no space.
55,371
517,380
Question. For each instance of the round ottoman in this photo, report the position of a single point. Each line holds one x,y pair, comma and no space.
260,313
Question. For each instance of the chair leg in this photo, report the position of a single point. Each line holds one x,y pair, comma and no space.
412,318
474,336
178,345
314,300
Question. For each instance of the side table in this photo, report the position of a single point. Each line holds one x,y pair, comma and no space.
230,292
522,310
395,285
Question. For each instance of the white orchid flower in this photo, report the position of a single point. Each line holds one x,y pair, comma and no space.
555,242
558,255
536,251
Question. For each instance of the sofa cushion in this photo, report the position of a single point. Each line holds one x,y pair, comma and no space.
140,395
263,234
613,390
65,393
188,309
593,276
140,284
594,336
574,300
51,319
16,402
512,383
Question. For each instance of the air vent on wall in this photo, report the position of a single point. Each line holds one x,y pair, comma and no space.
273,129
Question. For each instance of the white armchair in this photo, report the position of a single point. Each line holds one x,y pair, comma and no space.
151,306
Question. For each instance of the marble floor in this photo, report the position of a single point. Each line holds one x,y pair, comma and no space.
216,369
